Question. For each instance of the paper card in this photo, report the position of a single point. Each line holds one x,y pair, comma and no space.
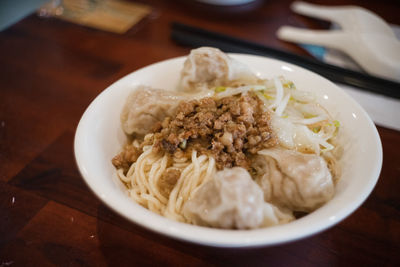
108,15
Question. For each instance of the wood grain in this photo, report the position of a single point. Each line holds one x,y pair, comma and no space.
51,70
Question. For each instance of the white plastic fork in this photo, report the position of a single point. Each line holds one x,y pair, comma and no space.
364,36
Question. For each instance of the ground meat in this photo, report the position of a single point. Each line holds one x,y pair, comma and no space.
169,145
128,156
168,180
221,121
229,129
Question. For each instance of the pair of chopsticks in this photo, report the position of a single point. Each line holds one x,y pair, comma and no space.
196,37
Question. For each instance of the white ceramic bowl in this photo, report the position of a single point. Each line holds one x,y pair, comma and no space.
99,137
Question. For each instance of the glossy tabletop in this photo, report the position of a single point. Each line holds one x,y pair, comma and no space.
50,72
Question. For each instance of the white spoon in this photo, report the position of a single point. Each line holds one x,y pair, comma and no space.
364,36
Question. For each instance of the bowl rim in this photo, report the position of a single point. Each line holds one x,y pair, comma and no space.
221,237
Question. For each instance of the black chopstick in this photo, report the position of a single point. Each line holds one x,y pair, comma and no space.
196,37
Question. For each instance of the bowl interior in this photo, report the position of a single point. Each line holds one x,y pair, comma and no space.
99,137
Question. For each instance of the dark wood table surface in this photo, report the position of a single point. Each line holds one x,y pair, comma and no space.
51,70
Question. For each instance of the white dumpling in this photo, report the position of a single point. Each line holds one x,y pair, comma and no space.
207,67
233,200
300,182
145,106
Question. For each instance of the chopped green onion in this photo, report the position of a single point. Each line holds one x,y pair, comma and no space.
182,145
336,123
220,89
268,96
316,129
309,116
289,84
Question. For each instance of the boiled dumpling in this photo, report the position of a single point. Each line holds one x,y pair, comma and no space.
300,182
233,200
207,67
145,106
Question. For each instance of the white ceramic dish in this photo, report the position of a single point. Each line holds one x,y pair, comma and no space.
99,137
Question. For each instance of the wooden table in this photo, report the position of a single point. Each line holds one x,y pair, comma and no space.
51,70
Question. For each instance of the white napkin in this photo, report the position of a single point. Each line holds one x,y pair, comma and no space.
383,110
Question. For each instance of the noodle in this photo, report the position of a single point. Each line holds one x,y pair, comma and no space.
143,180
